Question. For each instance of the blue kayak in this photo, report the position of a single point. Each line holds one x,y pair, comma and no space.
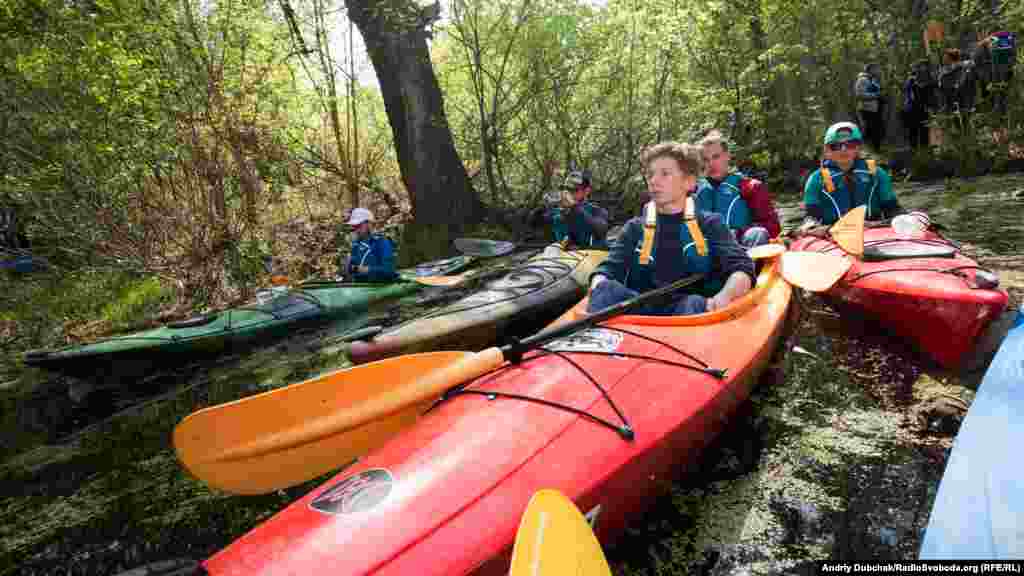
979,507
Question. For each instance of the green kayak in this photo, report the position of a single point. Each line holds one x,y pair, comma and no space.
274,314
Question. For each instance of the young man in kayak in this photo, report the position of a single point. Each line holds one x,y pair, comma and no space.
576,219
744,203
672,240
845,181
373,255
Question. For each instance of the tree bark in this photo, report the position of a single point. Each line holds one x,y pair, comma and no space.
440,192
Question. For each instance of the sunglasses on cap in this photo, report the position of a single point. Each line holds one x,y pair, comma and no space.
848,145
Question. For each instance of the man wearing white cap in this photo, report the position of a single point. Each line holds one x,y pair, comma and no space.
373,255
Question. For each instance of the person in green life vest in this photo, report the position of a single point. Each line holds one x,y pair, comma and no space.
575,220
672,240
845,181
744,203
373,255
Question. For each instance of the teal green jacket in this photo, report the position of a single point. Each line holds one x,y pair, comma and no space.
872,190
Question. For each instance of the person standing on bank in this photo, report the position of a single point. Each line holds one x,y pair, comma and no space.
744,203
576,221
672,240
373,255
868,90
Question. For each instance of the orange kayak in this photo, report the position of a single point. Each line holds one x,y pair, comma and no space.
607,416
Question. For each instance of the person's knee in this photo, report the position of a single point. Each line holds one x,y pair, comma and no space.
755,236
691,304
607,293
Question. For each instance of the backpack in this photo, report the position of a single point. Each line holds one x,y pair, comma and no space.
1003,46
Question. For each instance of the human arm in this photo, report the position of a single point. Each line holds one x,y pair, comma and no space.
594,219
730,261
620,254
886,197
762,209
383,269
813,213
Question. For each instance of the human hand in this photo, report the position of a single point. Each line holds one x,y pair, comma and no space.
568,200
715,302
363,269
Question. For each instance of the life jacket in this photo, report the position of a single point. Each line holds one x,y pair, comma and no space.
696,255
727,200
830,188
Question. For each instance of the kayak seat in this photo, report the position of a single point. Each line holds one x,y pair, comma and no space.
899,251
194,321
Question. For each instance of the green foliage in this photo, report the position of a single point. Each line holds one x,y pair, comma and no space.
136,300
245,263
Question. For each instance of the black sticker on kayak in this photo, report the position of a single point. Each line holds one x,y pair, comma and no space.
355,494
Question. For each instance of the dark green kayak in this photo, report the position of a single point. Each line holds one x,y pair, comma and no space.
133,355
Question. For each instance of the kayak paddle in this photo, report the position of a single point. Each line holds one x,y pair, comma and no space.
555,539
443,280
848,231
293,434
812,271
484,248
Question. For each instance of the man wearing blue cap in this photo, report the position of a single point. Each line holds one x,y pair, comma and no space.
845,181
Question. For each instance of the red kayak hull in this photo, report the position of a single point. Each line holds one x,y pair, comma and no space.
932,302
445,497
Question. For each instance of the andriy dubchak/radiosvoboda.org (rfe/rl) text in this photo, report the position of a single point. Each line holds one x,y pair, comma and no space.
923,567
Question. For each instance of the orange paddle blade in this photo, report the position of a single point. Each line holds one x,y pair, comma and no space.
766,251
848,232
287,436
554,539
813,271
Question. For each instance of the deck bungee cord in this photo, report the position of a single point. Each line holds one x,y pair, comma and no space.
625,430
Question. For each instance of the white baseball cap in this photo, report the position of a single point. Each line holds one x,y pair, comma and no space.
360,215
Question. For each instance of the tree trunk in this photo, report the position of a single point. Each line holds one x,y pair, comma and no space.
442,199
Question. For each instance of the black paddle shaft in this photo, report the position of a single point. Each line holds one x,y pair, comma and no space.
513,352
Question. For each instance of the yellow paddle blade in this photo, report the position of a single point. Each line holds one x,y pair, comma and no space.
765,251
848,232
555,539
813,271
284,437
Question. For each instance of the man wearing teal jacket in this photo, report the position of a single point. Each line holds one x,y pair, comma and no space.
845,181
577,221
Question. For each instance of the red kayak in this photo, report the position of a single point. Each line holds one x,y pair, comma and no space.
608,416
924,289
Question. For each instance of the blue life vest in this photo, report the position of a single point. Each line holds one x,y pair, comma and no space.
726,200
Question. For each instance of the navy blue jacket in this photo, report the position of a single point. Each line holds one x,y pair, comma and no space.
724,256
